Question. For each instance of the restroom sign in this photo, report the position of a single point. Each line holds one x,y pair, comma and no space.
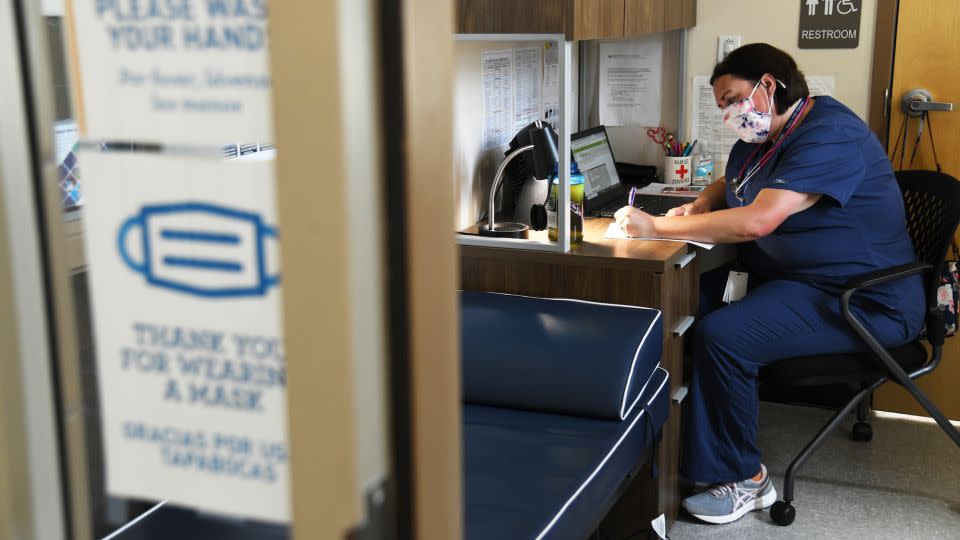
185,277
829,24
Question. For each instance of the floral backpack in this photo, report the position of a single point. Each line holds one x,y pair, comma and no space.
948,293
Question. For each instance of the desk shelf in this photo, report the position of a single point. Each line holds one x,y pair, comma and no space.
564,130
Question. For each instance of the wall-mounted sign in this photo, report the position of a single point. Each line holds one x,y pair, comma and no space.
184,276
829,24
181,72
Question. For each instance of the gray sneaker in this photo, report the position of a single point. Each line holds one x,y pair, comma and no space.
725,503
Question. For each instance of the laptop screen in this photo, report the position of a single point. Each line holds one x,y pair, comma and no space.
591,151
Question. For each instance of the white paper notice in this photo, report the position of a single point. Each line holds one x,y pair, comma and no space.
614,232
185,285
550,94
630,82
65,138
173,72
526,87
821,85
708,128
497,98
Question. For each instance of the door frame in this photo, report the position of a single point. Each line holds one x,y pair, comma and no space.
414,90
33,501
881,80
433,269
44,427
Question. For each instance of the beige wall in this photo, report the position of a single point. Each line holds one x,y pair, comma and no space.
630,143
776,22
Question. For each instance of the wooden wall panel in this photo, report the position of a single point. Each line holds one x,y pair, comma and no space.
595,19
611,285
578,19
642,16
679,14
511,16
491,274
671,444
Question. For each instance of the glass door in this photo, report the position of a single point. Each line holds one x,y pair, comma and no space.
202,381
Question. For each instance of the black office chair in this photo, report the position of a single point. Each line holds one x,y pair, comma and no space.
932,203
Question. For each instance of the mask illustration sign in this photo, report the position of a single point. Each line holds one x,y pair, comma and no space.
200,249
185,285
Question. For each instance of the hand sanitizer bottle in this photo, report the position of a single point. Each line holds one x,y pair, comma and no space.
702,169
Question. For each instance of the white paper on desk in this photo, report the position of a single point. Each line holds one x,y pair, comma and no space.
614,232
821,85
631,73
707,127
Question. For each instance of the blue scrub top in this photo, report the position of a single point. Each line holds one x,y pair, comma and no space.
857,226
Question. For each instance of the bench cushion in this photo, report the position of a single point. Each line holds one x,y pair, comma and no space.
531,475
558,356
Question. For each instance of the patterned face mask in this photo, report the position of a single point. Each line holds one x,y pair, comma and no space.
751,125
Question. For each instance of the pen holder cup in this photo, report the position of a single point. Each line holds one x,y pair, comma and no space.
677,170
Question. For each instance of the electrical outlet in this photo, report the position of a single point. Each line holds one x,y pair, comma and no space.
726,44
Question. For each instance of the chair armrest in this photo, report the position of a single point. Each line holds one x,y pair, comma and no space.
872,279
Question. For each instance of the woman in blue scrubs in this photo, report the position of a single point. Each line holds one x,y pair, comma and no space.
810,197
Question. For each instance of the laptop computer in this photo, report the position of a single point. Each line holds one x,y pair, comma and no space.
603,191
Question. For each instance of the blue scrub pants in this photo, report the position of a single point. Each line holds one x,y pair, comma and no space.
777,319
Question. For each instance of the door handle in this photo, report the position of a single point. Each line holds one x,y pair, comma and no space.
930,106
918,101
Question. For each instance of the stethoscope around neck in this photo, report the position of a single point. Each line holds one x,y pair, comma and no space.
739,183
738,186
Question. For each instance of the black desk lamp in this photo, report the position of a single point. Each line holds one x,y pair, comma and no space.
543,142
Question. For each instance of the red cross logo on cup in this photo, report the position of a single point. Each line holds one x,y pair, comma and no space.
682,171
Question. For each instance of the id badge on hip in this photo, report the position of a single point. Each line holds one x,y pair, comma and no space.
736,287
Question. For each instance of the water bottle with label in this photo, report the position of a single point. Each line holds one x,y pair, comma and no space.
576,205
702,168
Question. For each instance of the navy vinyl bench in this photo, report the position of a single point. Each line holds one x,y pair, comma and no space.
563,401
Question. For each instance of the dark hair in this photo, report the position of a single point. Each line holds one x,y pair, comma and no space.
751,61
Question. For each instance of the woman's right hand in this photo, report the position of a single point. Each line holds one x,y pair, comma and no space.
688,209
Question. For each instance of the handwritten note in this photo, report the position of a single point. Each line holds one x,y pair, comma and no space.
614,232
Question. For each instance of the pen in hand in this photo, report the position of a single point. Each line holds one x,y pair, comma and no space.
633,193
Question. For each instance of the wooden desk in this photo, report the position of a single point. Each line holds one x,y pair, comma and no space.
632,272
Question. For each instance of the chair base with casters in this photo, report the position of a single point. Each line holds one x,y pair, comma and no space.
932,202
862,430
